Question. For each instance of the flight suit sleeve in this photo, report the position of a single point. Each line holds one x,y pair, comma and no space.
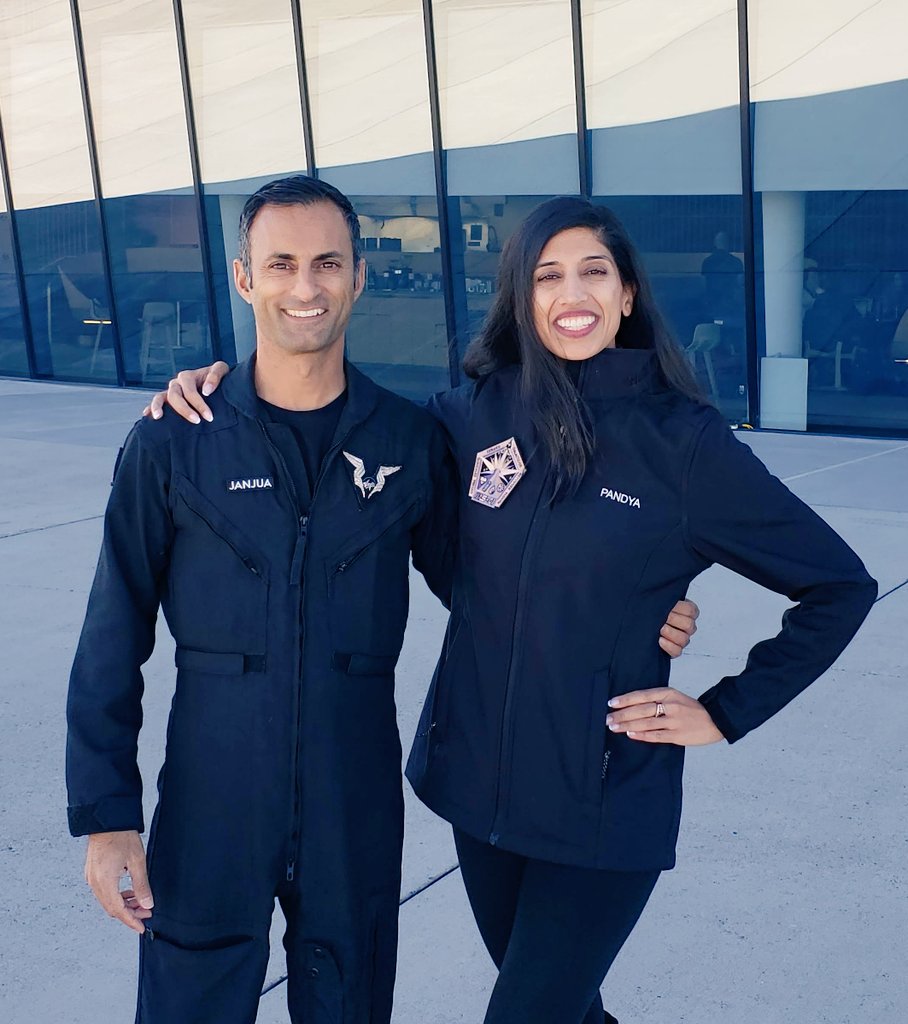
741,516
434,538
104,705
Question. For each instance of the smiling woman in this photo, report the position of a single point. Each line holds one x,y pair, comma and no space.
570,284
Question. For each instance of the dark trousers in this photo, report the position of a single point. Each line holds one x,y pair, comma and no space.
552,930
188,976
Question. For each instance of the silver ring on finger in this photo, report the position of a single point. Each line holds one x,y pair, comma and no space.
660,710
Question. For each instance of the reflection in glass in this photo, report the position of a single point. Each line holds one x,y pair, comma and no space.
43,122
830,98
13,359
397,333
245,90
840,303
66,291
485,223
369,93
246,102
692,248
50,180
137,99
506,88
158,282
136,94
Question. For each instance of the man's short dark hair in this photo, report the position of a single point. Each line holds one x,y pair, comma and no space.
297,190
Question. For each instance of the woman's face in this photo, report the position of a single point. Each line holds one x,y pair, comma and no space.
578,295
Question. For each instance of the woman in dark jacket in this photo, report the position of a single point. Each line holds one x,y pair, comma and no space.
595,485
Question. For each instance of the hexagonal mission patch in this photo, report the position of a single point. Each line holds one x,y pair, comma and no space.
496,473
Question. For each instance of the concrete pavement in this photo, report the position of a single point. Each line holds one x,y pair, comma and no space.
789,902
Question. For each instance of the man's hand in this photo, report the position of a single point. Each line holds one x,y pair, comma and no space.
183,395
662,715
111,855
679,628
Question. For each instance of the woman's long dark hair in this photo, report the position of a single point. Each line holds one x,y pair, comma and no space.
508,335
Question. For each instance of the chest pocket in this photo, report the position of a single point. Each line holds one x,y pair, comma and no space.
219,583
368,592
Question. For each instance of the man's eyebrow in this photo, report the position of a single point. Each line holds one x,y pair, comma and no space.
280,256
328,256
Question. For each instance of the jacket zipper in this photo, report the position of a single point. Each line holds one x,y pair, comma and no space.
516,638
245,559
343,566
299,565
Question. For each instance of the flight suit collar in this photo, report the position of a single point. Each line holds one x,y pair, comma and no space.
362,394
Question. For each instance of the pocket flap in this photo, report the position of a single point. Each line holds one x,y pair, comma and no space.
219,663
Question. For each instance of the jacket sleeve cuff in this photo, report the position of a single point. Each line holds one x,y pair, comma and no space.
112,814
710,700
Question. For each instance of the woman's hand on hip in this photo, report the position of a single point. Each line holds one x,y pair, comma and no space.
662,715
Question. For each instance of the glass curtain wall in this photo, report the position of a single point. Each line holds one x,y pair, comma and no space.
514,63
249,125
150,208
120,288
369,94
829,83
13,358
662,97
52,193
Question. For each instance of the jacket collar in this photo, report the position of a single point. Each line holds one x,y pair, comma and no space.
362,394
620,373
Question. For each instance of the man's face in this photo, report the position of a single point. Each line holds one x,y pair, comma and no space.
303,282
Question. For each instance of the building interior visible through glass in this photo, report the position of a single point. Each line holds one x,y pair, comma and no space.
116,266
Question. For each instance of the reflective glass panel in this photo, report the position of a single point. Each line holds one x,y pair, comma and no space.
480,226
506,87
246,102
692,248
43,122
136,94
830,86
159,285
50,178
137,99
397,332
369,95
13,359
662,96
245,91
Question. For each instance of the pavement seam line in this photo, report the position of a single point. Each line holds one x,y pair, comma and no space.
848,462
427,885
891,590
52,526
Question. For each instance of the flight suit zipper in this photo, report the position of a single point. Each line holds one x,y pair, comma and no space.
298,572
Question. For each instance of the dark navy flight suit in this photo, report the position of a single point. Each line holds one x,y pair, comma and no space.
282,772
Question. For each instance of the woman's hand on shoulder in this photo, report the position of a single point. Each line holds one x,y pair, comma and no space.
662,715
679,628
184,396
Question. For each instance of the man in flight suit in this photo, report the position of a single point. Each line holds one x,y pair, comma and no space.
276,537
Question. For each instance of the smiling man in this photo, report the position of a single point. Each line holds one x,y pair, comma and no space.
284,581
275,531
